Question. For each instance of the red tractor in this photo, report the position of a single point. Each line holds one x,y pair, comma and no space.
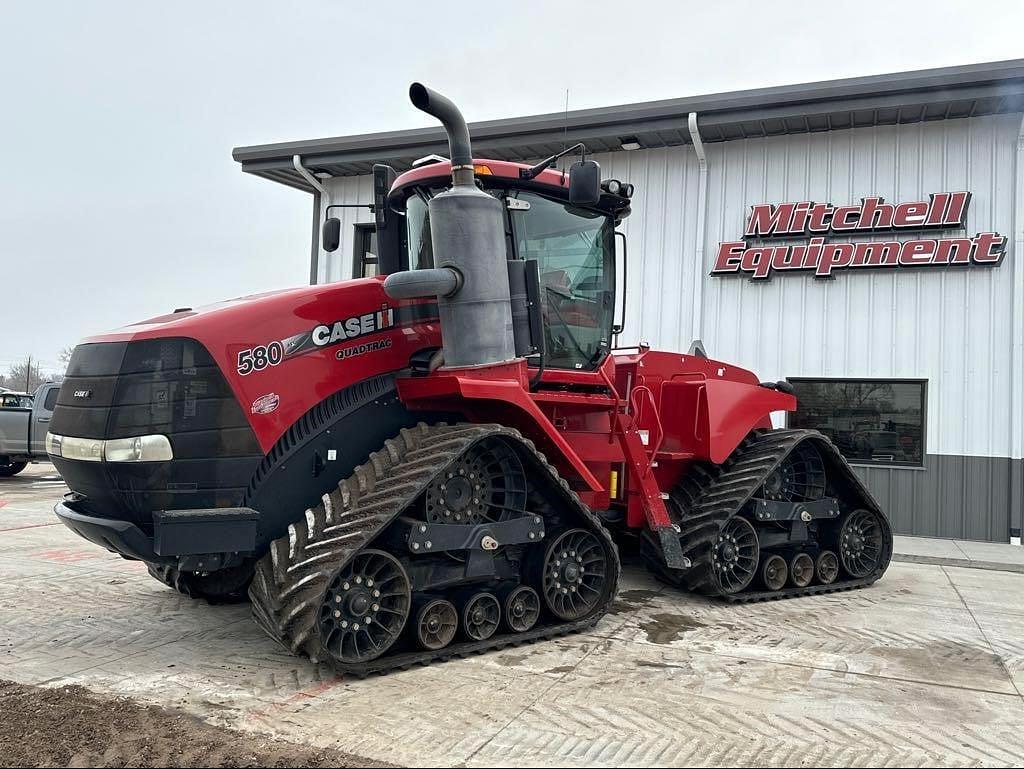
433,461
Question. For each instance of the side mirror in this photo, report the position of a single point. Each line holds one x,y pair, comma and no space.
584,183
330,237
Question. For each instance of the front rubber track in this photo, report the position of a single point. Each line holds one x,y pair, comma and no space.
290,581
710,495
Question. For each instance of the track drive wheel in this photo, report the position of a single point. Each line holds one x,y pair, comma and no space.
774,572
860,543
735,555
575,568
365,607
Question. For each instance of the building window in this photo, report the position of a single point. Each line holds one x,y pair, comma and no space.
871,421
364,259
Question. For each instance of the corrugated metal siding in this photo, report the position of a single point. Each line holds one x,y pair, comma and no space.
953,496
951,327
347,189
948,326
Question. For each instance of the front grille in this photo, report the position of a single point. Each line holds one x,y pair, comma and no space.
170,387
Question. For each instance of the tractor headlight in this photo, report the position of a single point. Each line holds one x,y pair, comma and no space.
144,448
53,444
85,449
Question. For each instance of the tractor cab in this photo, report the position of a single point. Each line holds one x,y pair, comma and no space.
569,233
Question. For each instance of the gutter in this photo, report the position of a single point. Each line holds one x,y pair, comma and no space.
697,316
1017,351
319,192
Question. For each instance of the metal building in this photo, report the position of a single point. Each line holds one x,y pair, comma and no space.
906,347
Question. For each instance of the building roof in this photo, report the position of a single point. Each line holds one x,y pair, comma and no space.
905,97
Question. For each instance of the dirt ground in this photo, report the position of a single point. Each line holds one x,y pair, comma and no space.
70,726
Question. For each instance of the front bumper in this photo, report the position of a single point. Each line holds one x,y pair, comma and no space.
191,539
121,537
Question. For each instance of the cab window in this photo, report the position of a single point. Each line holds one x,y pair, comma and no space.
575,250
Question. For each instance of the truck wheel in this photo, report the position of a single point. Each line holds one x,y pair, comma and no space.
223,586
9,468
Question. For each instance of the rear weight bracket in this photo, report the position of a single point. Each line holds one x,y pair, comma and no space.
486,537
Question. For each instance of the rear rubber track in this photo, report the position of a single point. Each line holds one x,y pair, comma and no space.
710,495
291,579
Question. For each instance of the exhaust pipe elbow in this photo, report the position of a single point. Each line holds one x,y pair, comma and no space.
441,107
420,284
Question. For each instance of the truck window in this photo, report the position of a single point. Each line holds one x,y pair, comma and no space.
51,399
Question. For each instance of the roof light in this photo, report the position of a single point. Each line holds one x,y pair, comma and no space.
629,142
483,170
614,186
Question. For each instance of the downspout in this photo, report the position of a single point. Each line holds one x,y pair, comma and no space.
1017,352
697,317
319,193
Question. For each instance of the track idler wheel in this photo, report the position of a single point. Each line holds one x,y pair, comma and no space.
436,623
774,572
575,568
735,554
860,543
522,609
827,567
365,607
481,616
801,570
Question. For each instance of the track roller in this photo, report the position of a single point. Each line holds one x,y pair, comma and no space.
436,624
522,609
774,572
827,567
481,616
801,570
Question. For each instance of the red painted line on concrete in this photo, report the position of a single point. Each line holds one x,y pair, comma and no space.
30,526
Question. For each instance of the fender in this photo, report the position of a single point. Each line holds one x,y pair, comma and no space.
730,410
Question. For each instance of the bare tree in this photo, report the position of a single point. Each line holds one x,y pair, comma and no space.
26,375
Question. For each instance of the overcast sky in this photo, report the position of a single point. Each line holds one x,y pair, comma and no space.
118,195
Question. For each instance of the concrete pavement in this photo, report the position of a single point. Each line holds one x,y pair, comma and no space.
926,667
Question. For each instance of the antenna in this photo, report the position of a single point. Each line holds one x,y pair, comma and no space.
565,122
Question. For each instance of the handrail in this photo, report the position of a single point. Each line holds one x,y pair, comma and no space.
638,412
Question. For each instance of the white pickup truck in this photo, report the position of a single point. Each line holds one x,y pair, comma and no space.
24,421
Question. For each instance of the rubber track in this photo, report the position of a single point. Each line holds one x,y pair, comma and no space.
290,581
218,587
709,496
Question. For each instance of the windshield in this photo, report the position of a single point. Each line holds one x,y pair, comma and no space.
575,251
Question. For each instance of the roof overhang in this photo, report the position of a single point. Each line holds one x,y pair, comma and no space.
907,97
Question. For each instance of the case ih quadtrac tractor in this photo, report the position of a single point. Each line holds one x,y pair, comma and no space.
433,461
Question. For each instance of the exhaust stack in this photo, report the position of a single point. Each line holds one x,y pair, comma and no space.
467,233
